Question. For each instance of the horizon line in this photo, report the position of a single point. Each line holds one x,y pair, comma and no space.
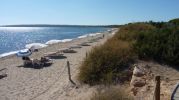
43,25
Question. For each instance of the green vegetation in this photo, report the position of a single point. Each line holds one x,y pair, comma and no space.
160,44
174,21
108,63
130,32
111,93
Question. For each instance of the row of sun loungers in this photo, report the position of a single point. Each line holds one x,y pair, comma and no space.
46,60
59,53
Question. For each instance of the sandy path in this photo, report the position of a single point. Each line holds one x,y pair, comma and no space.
48,83
169,78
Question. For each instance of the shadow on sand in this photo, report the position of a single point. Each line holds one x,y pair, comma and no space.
36,66
3,73
57,57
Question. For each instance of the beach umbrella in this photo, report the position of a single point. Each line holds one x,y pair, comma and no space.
34,46
24,53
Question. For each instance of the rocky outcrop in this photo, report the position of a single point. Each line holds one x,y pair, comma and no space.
138,72
138,82
138,79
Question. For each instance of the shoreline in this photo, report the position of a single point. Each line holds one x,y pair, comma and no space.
12,53
47,83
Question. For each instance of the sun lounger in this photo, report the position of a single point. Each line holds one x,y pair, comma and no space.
67,50
93,40
53,54
84,44
75,47
90,41
99,38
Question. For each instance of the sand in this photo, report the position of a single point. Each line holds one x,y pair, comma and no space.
47,83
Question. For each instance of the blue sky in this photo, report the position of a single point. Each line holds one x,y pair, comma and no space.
86,12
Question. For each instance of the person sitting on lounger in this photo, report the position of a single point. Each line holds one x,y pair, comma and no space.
27,61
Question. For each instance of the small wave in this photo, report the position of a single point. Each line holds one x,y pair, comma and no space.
8,54
57,41
53,41
98,33
66,40
83,36
35,46
110,30
93,34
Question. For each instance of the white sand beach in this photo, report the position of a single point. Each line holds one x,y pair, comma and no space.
47,83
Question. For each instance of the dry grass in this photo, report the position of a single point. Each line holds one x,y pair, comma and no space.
106,63
111,93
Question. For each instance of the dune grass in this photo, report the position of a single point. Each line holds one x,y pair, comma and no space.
108,63
111,93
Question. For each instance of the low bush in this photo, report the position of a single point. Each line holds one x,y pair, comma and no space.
152,40
161,45
174,21
130,32
106,63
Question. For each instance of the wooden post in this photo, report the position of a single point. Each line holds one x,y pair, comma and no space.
86,54
157,88
69,74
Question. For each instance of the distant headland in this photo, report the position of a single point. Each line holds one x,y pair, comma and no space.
51,25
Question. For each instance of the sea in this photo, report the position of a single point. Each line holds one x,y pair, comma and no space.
13,39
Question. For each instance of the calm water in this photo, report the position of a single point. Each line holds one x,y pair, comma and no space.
15,38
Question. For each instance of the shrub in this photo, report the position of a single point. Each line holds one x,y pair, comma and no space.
154,40
174,21
111,93
108,63
130,32
105,63
160,44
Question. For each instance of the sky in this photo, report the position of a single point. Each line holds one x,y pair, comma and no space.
86,12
